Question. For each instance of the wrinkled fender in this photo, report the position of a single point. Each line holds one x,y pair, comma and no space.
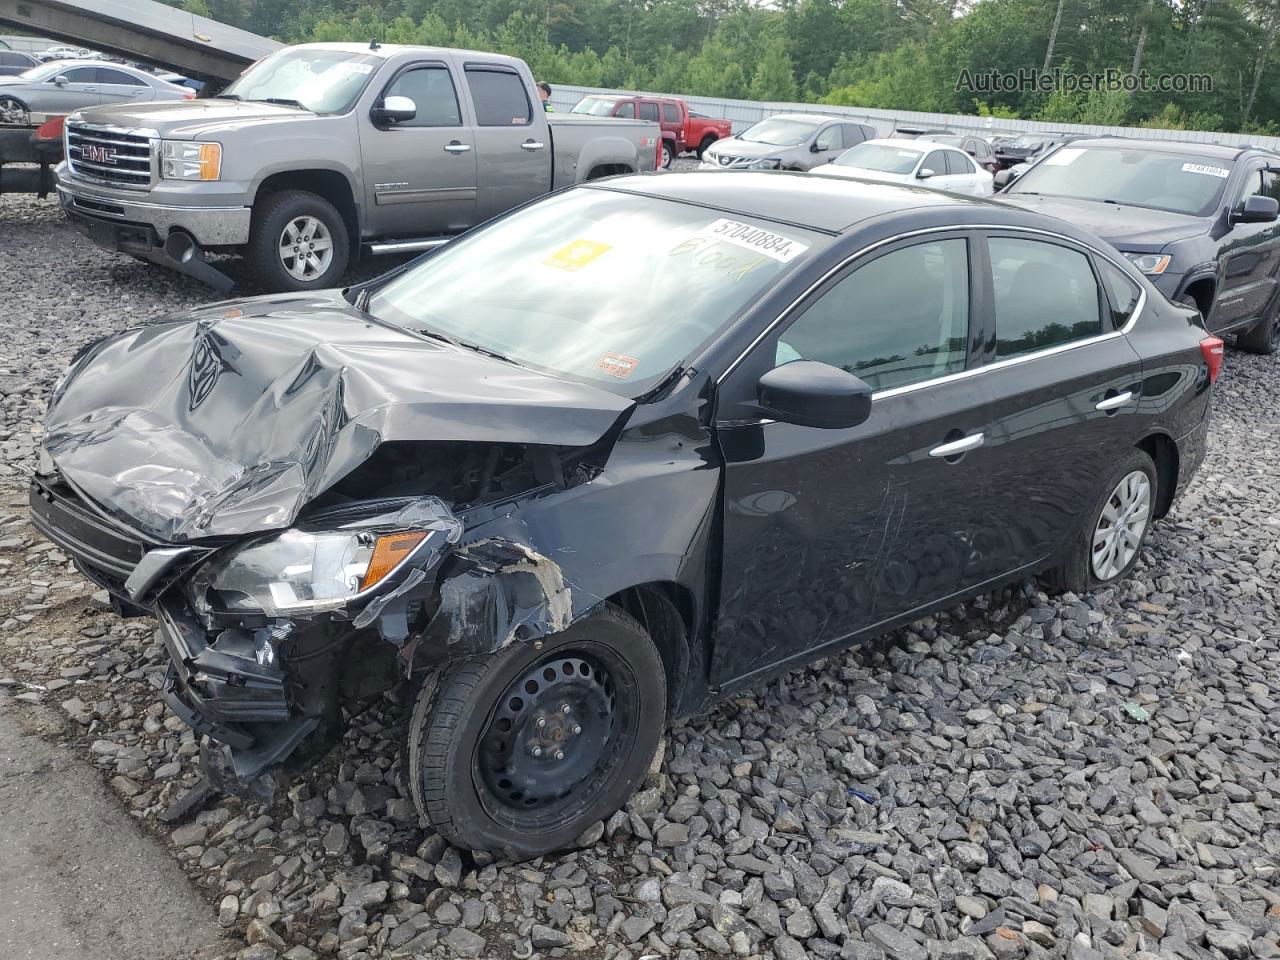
543,564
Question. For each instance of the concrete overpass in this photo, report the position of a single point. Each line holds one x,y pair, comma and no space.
143,30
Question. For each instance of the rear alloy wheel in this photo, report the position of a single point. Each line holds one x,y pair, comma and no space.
1263,337
1105,548
14,111
519,751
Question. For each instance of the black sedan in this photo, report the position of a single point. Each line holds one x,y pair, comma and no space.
630,448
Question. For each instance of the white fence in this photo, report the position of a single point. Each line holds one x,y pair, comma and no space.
743,113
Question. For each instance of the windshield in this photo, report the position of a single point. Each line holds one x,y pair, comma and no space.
879,157
1179,183
595,106
1028,140
611,288
948,140
779,132
322,81
43,72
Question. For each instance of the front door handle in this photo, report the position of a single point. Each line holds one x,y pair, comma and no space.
453,146
1114,403
957,447
532,145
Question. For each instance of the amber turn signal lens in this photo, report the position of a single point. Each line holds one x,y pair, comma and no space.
387,554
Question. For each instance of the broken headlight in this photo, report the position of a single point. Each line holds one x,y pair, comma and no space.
298,572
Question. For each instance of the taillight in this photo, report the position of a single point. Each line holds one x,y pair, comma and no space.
1211,347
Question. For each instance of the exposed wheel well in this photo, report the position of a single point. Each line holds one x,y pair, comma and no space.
1201,291
608,170
329,184
665,610
1165,454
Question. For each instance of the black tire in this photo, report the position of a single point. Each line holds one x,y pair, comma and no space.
1263,337
668,154
271,216
470,745
1077,572
14,111
705,145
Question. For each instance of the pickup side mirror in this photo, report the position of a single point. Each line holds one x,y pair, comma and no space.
61,80
1257,209
813,394
1003,178
394,110
924,174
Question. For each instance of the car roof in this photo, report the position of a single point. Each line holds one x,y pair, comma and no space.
812,117
1218,150
394,49
914,143
827,204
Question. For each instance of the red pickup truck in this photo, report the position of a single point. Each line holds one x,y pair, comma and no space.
682,130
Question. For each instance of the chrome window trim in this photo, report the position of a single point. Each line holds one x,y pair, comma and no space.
963,374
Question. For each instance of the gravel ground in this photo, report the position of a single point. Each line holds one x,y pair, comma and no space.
1025,776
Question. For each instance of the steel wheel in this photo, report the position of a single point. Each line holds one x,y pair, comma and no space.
1121,525
306,248
554,732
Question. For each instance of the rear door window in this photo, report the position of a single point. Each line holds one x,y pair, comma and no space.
499,97
107,75
852,134
648,111
1122,293
1045,295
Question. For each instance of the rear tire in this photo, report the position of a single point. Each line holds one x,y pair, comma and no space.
519,751
298,241
1107,545
705,145
1263,337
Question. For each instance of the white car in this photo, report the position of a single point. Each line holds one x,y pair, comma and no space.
917,162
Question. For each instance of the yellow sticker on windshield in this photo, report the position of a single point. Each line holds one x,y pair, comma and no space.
577,255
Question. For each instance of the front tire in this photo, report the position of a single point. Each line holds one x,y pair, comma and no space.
1263,337
1106,547
668,154
298,241
14,111
519,751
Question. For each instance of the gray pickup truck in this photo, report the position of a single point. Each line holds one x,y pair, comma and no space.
322,152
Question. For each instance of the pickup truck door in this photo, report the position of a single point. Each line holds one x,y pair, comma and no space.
419,174
1250,255
513,142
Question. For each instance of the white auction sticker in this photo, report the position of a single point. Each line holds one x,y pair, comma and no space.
773,245
1064,157
1206,169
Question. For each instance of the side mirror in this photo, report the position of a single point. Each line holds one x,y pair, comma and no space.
924,174
394,110
816,147
61,80
1257,209
1003,178
813,394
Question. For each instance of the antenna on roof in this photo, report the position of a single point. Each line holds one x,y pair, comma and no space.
374,44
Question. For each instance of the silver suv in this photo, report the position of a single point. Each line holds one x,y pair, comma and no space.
787,141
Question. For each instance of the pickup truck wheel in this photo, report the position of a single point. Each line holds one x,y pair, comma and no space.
519,751
705,145
298,241
668,154
1263,337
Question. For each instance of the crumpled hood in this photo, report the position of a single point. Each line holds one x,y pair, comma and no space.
230,419
1121,226
192,119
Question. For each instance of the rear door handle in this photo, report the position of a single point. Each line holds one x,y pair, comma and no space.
1113,403
455,147
957,447
532,145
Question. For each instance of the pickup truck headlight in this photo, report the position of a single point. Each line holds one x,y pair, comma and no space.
298,572
1152,264
190,160
765,163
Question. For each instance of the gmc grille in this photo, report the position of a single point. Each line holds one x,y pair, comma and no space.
109,155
